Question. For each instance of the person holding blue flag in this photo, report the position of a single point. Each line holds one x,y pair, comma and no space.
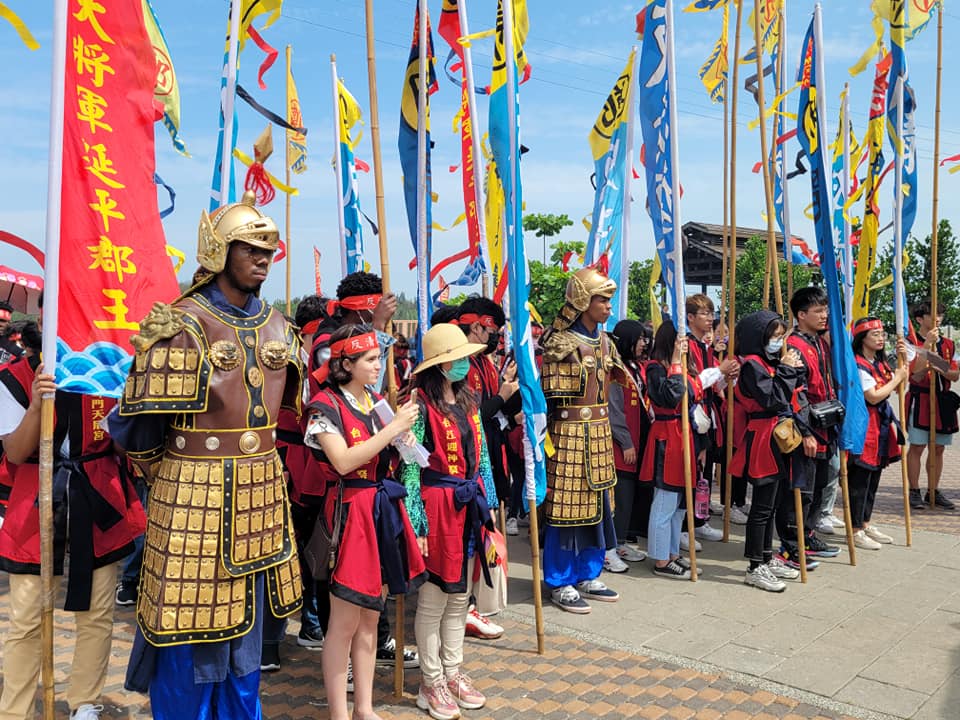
579,360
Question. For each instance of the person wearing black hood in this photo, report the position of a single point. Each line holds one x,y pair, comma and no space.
763,398
629,423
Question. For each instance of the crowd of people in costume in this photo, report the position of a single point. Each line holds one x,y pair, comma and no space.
253,470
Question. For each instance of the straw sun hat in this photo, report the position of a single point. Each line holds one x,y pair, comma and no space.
445,343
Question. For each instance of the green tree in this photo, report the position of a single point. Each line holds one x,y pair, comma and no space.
916,275
638,289
545,225
751,268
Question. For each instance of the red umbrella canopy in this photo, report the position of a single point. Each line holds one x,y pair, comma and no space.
21,290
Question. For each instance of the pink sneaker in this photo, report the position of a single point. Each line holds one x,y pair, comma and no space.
437,700
464,693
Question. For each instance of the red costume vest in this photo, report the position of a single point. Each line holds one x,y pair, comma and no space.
635,412
819,382
663,455
880,447
755,452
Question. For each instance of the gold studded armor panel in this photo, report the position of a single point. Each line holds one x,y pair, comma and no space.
218,512
575,374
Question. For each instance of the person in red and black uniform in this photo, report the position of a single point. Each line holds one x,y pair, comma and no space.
663,456
763,397
449,502
377,545
809,307
714,374
629,423
97,515
482,321
918,409
881,446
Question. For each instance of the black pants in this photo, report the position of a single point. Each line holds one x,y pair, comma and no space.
863,485
517,479
624,495
760,522
818,470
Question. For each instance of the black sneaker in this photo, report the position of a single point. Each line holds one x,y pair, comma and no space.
310,639
916,501
386,654
940,501
672,570
818,548
270,657
126,593
684,562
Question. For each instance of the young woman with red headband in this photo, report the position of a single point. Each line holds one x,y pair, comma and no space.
880,447
377,545
449,503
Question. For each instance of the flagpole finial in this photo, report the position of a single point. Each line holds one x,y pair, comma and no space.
333,57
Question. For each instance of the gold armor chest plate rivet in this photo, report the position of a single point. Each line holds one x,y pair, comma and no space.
249,443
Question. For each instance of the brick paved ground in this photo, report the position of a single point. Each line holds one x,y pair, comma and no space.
889,504
573,679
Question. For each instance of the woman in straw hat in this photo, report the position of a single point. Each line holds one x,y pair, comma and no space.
449,504
376,542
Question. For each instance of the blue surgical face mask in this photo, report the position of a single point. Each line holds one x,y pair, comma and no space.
774,347
458,370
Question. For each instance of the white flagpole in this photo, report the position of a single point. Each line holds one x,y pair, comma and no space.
423,79
781,153
627,179
679,281
474,135
898,212
51,284
845,185
230,94
337,167
821,99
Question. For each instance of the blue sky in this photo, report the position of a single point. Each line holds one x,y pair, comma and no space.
577,50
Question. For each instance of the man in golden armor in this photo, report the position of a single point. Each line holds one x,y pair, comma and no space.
578,362
198,415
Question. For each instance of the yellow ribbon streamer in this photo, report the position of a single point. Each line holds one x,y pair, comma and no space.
888,280
246,160
178,258
467,40
22,30
772,110
459,219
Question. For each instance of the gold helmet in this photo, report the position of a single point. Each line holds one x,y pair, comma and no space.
240,221
584,284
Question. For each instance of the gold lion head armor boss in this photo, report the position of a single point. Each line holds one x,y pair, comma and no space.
240,221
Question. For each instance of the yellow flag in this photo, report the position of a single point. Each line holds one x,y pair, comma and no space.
769,28
296,142
521,26
349,115
494,222
250,10
655,313
919,13
713,73
166,91
615,112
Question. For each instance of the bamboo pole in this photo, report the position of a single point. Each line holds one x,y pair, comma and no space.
45,501
286,162
509,56
399,629
725,287
904,477
847,519
732,90
688,465
934,468
773,266
801,534
787,235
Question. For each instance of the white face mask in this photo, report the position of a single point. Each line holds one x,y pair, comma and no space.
774,347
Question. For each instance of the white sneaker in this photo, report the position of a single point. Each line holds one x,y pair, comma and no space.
716,508
685,542
630,554
513,528
873,533
781,570
825,527
87,712
613,563
862,540
737,516
482,627
705,532
837,522
761,577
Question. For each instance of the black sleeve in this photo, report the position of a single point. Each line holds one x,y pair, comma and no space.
662,389
490,407
772,393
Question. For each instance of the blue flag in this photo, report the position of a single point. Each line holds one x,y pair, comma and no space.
504,126
811,136
408,145
216,184
903,139
655,123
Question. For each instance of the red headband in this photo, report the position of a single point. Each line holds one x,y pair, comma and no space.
865,326
4,314
311,327
354,345
357,303
469,318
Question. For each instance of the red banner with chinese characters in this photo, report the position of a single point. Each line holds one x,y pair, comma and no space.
113,262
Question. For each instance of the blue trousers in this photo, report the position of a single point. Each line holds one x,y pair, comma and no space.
175,696
666,521
565,563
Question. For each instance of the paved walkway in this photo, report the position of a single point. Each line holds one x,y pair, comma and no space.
878,640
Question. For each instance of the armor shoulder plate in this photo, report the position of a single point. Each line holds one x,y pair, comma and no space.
558,346
161,323
172,374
